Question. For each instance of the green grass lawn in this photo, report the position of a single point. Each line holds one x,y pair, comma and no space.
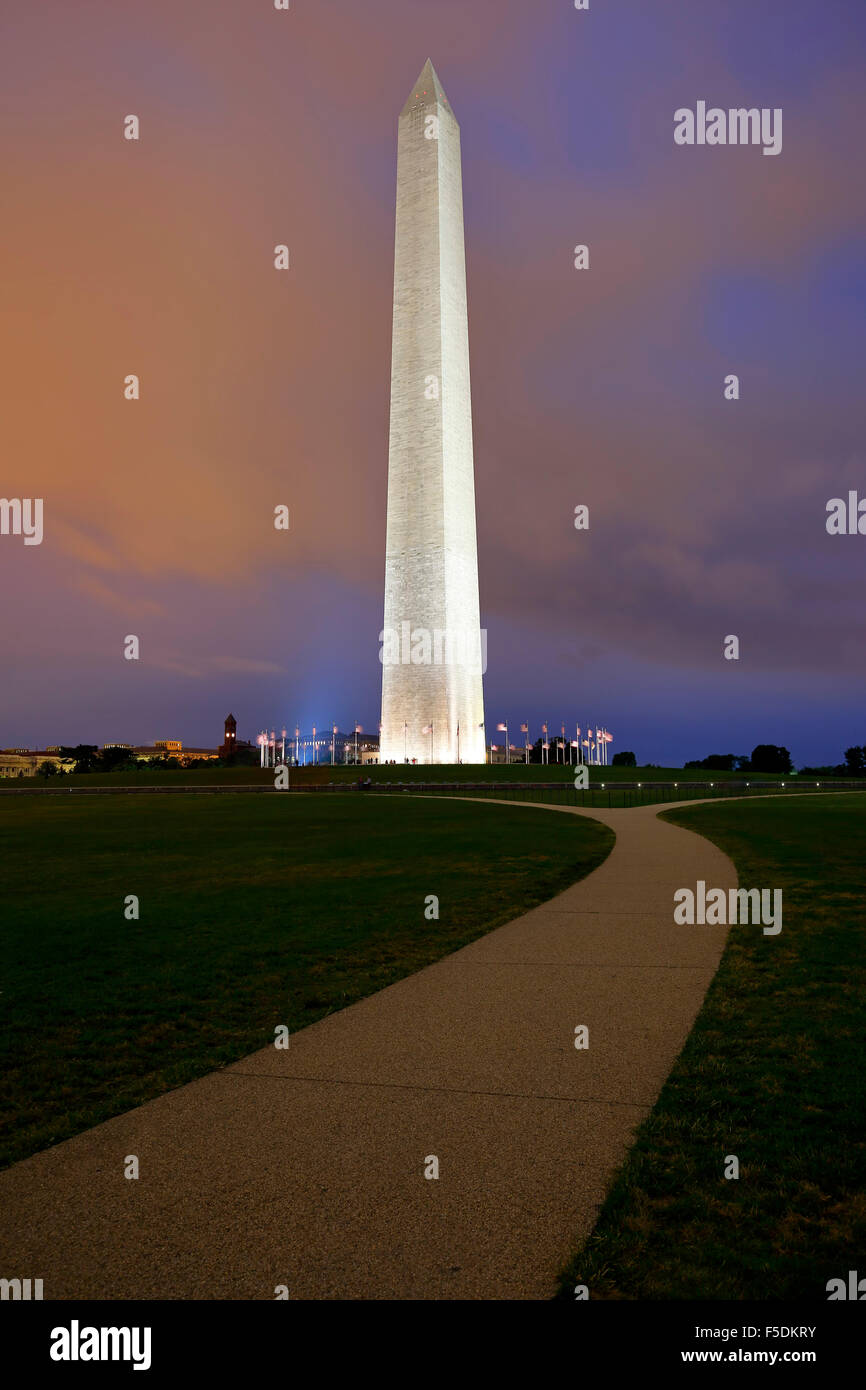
322,775
773,1072
254,911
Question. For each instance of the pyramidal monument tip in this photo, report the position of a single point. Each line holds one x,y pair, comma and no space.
426,89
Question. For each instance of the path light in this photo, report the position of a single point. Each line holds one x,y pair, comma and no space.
783,784
676,784
712,784
640,784
602,786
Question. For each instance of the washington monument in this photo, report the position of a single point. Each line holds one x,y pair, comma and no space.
431,649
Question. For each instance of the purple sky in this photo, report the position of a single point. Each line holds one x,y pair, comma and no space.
603,387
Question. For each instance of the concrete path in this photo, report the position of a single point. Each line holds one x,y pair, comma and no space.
305,1167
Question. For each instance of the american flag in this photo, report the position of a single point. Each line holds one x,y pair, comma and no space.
358,729
503,727
544,728
524,728
428,729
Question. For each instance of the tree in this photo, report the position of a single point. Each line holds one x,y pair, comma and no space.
535,752
47,769
624,759
855,761
716,762
84,755
767,757
113,758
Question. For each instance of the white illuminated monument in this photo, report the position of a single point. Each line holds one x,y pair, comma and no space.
432,701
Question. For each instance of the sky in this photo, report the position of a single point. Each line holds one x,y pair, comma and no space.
602,387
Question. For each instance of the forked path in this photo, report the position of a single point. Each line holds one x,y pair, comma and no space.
305,1167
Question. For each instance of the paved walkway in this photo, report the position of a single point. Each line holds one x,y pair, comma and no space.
305,1167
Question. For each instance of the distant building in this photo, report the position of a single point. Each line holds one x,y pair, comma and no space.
230,737
306,750
25,762
197,755
231,744
173,748
368,749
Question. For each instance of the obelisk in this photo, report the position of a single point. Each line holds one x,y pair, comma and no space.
431,649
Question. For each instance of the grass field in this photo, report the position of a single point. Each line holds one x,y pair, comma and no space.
254,911
772,1072
323,775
